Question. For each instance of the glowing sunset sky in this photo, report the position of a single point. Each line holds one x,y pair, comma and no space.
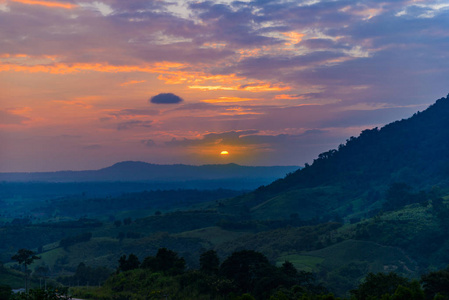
85,84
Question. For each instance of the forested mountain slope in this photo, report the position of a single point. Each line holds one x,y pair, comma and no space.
355,177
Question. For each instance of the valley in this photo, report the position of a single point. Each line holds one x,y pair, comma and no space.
379,203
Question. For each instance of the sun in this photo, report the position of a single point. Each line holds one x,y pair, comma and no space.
224,152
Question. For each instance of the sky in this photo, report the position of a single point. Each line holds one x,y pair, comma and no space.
86,84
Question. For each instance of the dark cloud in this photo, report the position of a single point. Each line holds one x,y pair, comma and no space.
133,124
166,98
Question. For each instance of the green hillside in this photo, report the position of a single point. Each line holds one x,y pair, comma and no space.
377,204
352,180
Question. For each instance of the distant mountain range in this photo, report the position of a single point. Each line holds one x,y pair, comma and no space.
128,171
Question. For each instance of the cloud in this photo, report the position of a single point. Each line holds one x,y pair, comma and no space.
225,138
134,112
248,137
133,124
131,82
249,146
92,147
48,3
8,118
277,67
102,8
149,143
166,98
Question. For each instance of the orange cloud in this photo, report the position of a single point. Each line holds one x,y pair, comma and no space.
259,87
239,111
132,82
75,103
62,68
227,100
20,111
213,87
293,37
214,45
264,87
170,73
289,97
249,52
172,78
48,3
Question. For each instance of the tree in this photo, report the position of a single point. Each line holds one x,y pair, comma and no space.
25,257
5,292
436,283
166,261
209,262
376,285
398,195
128,264
40,294
411,292
42,271
289,269
249,270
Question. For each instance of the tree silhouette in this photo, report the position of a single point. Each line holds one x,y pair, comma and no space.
25,257
128,264
209,262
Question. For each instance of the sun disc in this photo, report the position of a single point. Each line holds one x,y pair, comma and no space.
224,152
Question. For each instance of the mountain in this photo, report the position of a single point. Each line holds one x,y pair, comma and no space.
353,179
378,203
140,171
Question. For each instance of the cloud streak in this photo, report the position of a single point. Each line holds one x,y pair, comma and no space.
52,4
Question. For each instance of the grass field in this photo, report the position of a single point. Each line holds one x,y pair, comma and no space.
301,262
213,235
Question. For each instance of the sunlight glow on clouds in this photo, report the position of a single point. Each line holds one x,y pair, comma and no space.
284,80
47,3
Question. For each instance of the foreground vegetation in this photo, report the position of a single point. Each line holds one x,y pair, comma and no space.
245,274
410,240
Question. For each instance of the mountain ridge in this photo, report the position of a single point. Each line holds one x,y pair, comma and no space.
354,178
142,171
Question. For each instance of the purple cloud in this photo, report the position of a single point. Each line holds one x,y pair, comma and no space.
149,143
166,98
133,124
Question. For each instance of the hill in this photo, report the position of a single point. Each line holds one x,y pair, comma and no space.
353,179
140,171
380,202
